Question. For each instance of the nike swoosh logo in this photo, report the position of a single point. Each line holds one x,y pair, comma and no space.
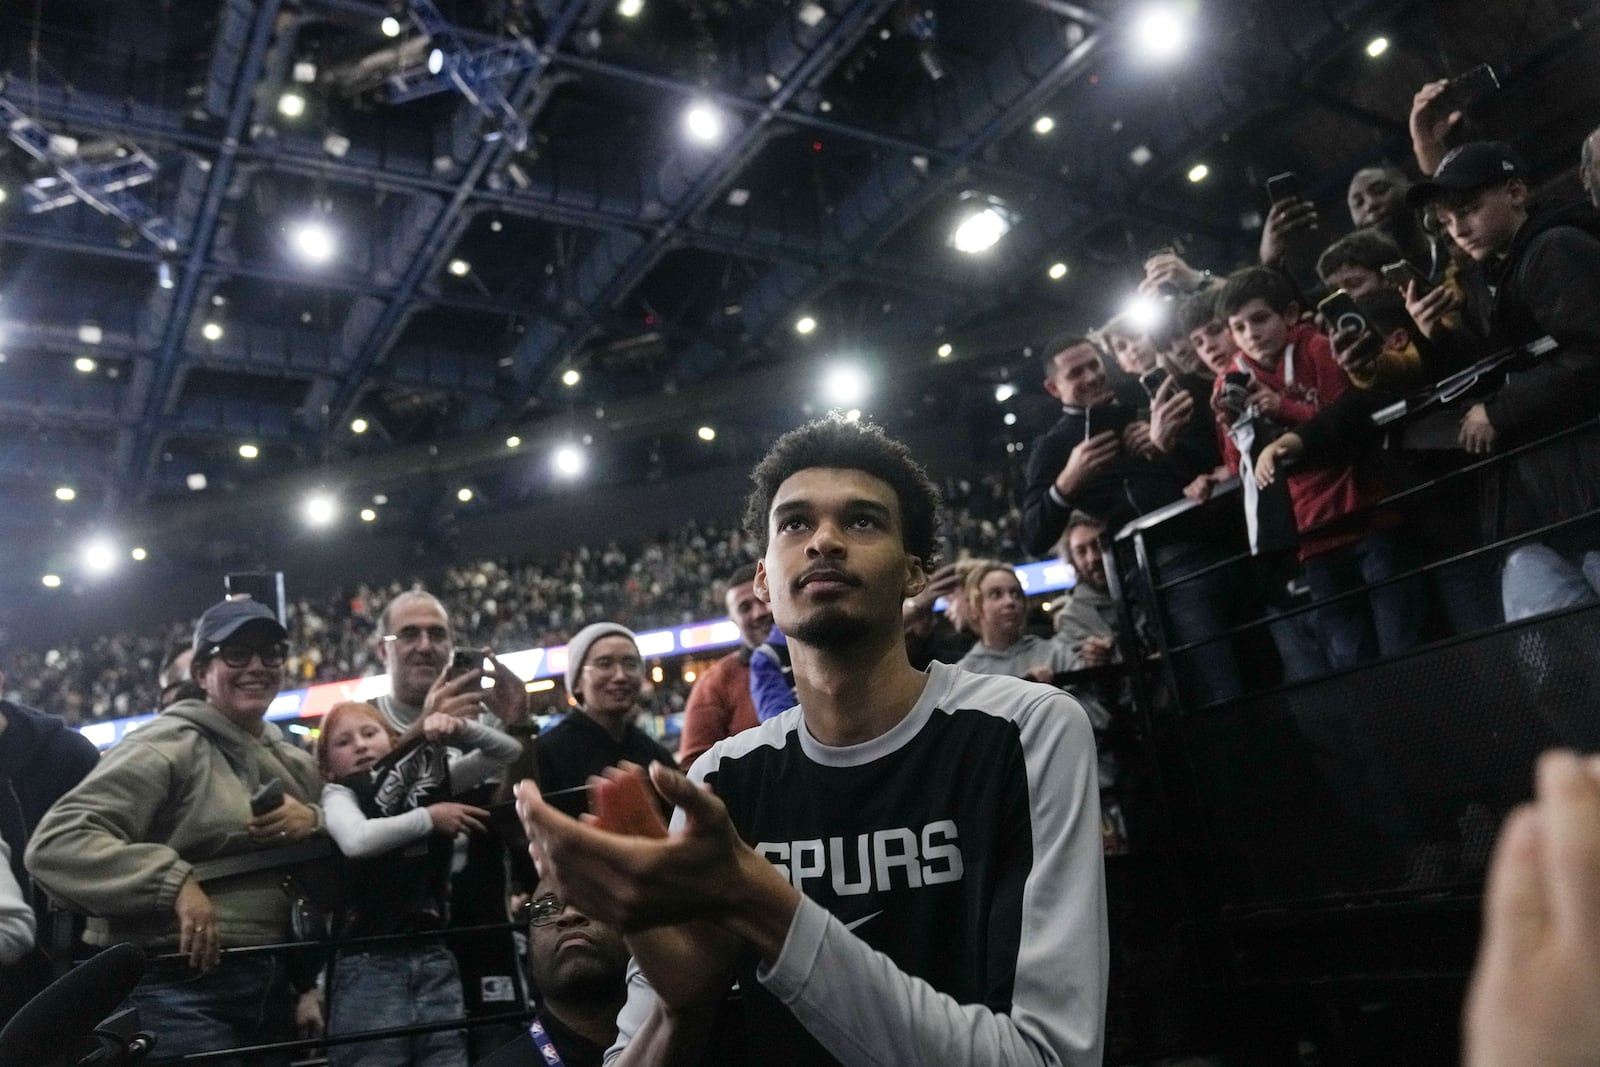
864,919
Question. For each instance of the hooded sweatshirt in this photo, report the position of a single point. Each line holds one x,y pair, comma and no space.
174,793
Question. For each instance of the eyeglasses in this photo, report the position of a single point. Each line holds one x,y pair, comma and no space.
544,911
410,635
630,665
237,655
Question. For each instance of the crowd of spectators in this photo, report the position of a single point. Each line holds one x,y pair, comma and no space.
667,580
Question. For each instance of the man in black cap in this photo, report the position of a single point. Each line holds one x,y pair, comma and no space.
1542,262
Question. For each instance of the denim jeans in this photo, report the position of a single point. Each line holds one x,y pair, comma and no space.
1198,610
381,988
1385,621
244,1000
1538,579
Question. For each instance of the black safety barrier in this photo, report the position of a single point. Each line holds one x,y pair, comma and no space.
1325,839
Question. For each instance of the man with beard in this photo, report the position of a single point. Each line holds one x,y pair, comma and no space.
904,868
577,967
720,705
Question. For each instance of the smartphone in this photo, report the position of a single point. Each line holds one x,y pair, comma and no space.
1475,84
1234,396
1098,420
1339,310
268,798
1401,273
464,660
1283,186
1153,379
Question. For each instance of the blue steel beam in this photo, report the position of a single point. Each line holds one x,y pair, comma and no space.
237,107
531,95
614,269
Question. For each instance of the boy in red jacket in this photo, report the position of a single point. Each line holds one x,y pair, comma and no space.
1293,375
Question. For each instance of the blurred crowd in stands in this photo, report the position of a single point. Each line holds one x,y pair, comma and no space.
671,579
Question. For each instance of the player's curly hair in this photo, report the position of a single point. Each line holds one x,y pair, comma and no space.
837,442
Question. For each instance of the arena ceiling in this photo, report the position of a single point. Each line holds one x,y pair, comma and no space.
425,219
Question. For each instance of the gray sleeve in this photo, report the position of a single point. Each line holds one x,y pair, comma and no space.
492,751
868,1013
635,1011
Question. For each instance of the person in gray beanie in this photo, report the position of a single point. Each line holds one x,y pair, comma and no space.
604,674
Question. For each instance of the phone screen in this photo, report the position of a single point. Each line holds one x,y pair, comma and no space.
1283,186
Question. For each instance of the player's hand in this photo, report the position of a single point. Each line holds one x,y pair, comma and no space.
1087,457
1535,992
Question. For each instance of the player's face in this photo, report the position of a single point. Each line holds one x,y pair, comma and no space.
836,568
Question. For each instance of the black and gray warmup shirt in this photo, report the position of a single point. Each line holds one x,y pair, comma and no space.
953,904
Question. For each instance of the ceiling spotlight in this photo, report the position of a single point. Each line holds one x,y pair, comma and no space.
358,425
513,441
629,9
1198,173
313,241
335,144
1043,125
291,105
320,509
945,350
98,558
164,275
568,461
249,451
84,365
464,494
981,227
211,331
3,195
51,581
65,493
90,333
845,384
495,225
804,324
703,123
459,267
1003,392
195,481
571,377
706,433
435,61
1377,47
139,555
1162,31
368,515
390,26
1141,155
1010,419
380,499
853,415
1057,271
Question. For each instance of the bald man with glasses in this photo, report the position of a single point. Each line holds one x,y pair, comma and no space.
416,643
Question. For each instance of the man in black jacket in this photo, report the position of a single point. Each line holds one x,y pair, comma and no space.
1099,460
1542,262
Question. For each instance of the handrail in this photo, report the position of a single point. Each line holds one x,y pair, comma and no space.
336,944
304,1043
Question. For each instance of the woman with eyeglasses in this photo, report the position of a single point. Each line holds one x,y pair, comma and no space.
605,674
124,845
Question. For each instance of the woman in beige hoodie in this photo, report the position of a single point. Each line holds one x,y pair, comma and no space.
124,844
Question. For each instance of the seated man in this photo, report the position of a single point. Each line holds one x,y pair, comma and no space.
577,968
926,883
